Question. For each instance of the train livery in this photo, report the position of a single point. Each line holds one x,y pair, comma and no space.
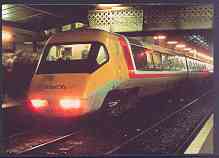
78,70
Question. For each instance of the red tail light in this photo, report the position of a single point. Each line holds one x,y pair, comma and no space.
70,103
38,103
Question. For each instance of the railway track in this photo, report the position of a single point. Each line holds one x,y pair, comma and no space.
182,147
39,135
78,139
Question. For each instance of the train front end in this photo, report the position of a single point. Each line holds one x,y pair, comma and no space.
72,76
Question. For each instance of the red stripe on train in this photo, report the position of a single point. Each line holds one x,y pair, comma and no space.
127,53
134,75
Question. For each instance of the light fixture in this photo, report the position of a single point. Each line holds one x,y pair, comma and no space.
6,36
172,42
107,6
187,49
159,37
180,46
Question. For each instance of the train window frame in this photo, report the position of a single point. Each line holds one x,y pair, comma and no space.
48,46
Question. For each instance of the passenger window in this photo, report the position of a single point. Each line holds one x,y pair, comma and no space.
53,54
164,62
102,56
184,63
171,62
177,63
157,60
150,64
140,57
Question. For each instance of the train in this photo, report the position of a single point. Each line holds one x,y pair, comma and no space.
80,70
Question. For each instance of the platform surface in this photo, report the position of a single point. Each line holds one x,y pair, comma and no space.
203,142
9,102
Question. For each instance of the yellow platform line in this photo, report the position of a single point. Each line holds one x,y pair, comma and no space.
197,144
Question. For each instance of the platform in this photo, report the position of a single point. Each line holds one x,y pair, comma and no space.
203,142
9,102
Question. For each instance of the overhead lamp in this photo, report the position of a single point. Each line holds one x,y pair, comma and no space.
107,6
193,51
180,46
159,37
187,49
6,36
172,42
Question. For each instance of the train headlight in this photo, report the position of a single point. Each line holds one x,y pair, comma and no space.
39,103
70,103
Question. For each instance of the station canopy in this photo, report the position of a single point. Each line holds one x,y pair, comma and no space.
157,18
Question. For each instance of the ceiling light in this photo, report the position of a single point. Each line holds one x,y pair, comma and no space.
180,46
172,42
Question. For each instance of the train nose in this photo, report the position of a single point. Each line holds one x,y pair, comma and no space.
61,95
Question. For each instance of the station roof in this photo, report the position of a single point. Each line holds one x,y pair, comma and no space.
41,17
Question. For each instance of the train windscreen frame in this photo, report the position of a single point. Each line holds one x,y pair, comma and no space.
77,57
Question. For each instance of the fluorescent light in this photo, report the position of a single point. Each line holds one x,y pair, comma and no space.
180,46
28,42
159,37
6,36
172,42
187,49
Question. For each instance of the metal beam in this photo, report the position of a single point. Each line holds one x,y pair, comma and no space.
178,17
17,25
27,17
169,32
40,10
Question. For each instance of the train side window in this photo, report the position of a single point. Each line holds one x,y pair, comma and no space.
164,62
157,60
140,57
53,54
171,62
192,65
102,56
150,64
195,65
177,63
183,63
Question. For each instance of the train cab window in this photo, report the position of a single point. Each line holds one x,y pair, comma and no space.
102,56
73,58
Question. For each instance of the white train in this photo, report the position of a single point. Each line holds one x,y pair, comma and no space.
80,69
